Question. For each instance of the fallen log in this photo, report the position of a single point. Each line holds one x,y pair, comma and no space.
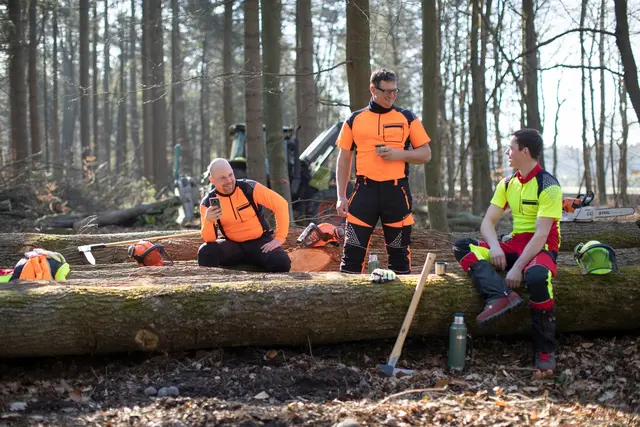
13,245
118,217
222,308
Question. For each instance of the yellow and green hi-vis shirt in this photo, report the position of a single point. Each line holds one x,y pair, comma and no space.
534,196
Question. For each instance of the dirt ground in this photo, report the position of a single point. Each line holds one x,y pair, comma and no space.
597,383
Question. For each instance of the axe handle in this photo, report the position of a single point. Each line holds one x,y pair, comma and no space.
126,242
397,348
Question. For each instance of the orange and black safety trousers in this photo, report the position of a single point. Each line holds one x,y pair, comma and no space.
473,256
389,201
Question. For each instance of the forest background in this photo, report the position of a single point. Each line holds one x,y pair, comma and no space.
99,91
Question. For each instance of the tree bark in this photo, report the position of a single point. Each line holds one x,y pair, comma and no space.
85,106
227,66
94,87
205,131
34,115
306,108
17,86
147,82
106,96
482,189
276,150
158,92
585,143
178,121
254,142
133,97
358,53
93,316
45,93
530,71
626,55
622,171
432,87
55,107
121,142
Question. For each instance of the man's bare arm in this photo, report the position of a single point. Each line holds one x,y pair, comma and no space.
488,227
343,171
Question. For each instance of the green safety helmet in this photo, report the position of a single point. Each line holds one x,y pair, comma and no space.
594,257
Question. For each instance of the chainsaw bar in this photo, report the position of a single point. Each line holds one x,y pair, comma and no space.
590,213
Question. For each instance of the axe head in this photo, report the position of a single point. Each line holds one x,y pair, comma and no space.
86,250
389,370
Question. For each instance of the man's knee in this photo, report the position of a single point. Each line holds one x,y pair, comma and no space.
538,280
209,255
461,247
278,262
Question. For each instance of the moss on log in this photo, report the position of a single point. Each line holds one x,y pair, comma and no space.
179,308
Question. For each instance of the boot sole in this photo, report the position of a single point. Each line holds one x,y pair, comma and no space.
489,320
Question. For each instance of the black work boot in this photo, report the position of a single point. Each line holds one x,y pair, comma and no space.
544,338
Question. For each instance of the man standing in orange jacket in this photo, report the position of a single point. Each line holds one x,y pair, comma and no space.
380,135
234,208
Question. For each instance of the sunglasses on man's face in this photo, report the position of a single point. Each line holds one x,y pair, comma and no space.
388,91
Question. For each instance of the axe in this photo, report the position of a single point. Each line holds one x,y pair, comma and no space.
389,369
86,250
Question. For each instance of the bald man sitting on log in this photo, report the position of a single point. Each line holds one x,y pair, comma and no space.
234,209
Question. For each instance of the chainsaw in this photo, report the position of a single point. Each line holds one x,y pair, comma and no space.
578,209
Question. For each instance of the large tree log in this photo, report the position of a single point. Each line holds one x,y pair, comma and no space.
181,308
13,245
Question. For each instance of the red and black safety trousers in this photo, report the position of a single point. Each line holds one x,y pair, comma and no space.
474,258
389,201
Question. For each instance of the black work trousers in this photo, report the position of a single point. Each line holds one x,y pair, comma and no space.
389,201
224,252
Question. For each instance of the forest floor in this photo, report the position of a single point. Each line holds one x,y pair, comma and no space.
597,383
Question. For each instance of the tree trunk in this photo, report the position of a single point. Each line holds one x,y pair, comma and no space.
94,316
626,55
306,108
147,82
133,97
432,86
585,143
619,235
178,122
464,143
71,94
358,53
227,66
34,116
555,129
17,86
600,157
276,150
121,143
45,89
254,140
85,106
106,110
482,189
205,142
96,72
497,98
55,107
622,171
530,72
451,150
156,51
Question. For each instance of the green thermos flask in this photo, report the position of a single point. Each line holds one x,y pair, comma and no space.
457,343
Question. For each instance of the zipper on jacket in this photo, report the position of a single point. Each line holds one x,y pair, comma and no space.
379,116
233,209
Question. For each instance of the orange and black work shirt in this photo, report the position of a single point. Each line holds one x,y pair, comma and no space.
242,218
376,125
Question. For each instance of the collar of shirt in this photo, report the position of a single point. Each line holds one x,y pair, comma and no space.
531,175
377,108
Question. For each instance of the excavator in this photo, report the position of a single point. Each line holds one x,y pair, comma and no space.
311,173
